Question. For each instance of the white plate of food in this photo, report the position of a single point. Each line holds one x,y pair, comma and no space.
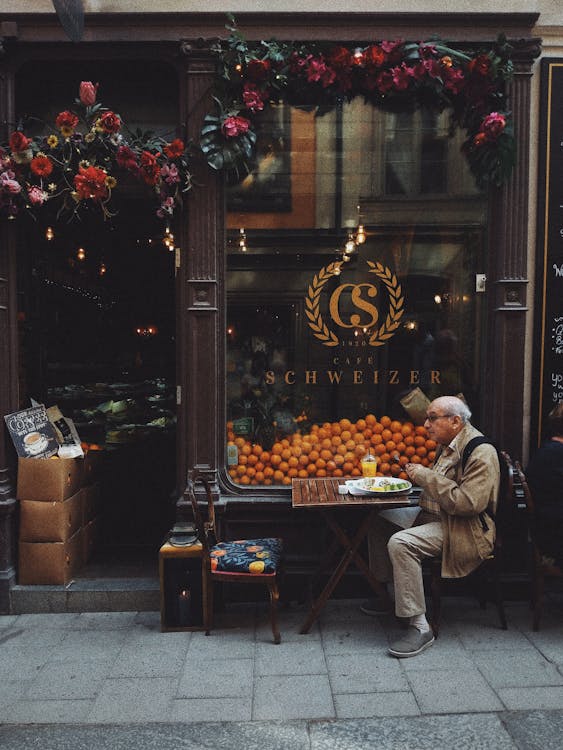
378,486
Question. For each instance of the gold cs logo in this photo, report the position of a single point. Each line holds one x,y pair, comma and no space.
370,312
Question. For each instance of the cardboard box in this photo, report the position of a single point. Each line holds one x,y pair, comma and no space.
91,502
90,538
93,461
51,522
49,563
49,479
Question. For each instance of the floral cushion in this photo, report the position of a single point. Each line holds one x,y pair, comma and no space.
254,556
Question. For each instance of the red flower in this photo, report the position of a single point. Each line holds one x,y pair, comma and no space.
258,70
175,149
493,125
66,121
90,182
384,82
340,57
149,167
19,142
41,165
479,139
126,158
110,122
233,126
252,97
87,93
480,65
374,56
454,80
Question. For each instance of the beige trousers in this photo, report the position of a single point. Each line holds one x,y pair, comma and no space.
396,555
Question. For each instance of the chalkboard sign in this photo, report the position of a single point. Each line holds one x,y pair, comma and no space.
549,282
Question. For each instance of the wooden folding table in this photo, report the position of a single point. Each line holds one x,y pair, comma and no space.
322,494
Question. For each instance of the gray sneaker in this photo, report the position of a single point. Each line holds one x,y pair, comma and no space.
412,643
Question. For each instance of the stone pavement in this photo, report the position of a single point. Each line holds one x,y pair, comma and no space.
112,679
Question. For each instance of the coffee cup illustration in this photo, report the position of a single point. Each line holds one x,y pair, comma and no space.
34,443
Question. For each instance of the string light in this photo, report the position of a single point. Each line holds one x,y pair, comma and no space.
81,254
49,234
103,269
350,245
168,239
242,240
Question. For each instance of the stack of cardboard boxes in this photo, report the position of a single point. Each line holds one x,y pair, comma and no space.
59,502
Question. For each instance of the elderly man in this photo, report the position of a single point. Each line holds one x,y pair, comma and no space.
452,521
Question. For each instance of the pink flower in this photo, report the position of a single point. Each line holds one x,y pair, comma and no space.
234,125
87,93
169,173
37,196
384,82
318,71
8,184
166,207
252,98
401,77
454,80
493,125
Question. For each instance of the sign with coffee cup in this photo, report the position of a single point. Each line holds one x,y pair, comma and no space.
32,433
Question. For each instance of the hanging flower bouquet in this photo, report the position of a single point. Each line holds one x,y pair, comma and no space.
73,169
392,75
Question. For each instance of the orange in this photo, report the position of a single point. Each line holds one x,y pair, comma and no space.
239,442
326,454
410,450
252,459
356,472
403,475
376,439
419,440
338,473
409,440
265,457
416,459
361,425
371,419
420,430
395,426
311,469
257,449
276,459
345,435
246,449
336,440
390,446
421,451
431,456
284,466
244,480
314,455
286,480
330,466
401,447
377,427
386,435
347,467
302,473
345,424
286,453
241,470
251,472
430,445
277,448
395,470
268,472
384,468
291,473
321,472
379,449
385,421
259,477
243,460
397,436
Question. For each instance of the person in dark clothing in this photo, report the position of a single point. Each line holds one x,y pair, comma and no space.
545,479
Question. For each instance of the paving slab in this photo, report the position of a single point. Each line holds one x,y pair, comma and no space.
290,697
450,691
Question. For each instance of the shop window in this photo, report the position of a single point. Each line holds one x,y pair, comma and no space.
354,298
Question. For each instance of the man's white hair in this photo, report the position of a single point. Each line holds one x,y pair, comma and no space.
454,407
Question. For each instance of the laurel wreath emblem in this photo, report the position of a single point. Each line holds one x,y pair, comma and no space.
396,304
312,305
378,338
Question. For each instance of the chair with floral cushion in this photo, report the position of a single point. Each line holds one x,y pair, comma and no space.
247,561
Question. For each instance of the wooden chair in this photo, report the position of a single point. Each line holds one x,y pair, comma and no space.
248,561
490,567
540,568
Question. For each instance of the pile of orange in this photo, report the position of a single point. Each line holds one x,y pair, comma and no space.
333,449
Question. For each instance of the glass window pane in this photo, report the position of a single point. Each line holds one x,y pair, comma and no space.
326,334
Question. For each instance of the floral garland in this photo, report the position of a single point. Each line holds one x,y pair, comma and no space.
392,75
73,170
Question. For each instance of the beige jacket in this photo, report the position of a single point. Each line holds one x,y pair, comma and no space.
466,502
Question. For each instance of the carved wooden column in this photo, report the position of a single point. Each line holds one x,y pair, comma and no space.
8,363
507,273
200,290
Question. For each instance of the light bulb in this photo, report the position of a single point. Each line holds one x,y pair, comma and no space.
360,235
81,253
49,234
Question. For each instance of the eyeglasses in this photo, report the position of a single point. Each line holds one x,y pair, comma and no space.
434,417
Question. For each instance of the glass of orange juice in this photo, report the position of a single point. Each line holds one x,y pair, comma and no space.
369,465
